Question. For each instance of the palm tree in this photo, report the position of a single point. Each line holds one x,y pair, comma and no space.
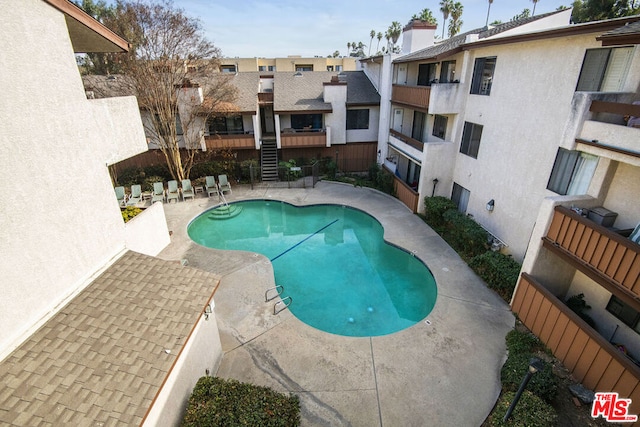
455,23
348,48
372,34
445,8
534,6
486,24
379,37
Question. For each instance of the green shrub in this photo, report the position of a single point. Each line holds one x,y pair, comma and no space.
130,176
129,212
578,305
529,411
158,171
464,234
147,184
544,383
434,209
331,169
523,342
218,402
210,168
498,270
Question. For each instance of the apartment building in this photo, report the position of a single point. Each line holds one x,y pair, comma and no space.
291,63
524,126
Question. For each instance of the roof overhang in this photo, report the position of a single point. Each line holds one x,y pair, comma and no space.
568,31
87,34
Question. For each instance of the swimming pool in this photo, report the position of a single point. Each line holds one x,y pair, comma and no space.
332,261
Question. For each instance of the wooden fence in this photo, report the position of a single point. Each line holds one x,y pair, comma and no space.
591,359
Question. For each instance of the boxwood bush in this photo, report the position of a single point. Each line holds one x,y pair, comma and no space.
544,383
529,411
498,270
434,209
464,234
219,402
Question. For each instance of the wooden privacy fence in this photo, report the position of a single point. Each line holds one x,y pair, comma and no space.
592,360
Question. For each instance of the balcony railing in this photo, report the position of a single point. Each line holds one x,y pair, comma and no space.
265,97
239,141
418,145
591,359
606,257
412,96
303,139
404,193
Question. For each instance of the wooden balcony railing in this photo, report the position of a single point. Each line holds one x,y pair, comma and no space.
407,140
617,108
303,139
265,97
590,358
238,142
606,257
404,193
413,96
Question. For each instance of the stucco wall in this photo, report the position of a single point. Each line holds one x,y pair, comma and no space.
366,135
523,121
147,232
59,215
202,353
336,94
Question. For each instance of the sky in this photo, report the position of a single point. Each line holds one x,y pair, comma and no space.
279,28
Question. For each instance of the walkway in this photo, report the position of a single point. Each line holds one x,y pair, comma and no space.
440,372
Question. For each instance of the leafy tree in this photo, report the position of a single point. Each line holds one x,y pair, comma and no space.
455,23
99,63
595,10
522,15
445,8
168,52
425,16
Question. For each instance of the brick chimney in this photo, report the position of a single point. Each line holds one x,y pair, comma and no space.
417,35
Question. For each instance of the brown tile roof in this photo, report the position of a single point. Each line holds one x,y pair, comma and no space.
300,91
101,359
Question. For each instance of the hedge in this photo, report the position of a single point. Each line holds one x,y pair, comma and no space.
498,270
529,411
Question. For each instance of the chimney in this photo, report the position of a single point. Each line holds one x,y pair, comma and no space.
417,35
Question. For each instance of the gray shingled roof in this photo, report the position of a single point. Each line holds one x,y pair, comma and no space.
452,45
247,95
301,91
360,90
630,28
101,359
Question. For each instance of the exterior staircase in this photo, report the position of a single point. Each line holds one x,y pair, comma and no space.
269,160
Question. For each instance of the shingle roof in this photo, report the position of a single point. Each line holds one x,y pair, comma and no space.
627,34
101,359
300,91
453,44
360,90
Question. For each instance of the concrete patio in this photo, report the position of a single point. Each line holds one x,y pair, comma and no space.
440,372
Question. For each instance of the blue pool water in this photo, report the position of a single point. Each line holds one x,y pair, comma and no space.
332,260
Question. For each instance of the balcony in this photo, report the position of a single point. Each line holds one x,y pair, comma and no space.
303,139
418,145
265,98
236,142
411,96
606,257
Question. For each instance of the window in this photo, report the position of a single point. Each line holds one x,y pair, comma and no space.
358,119
447,71
262,68
572,172
306,121
604,70
231,125
329,67
471,139
338,67
271,67
460,196
228,68
417,130
426,74
304,67
483,76
627,314
439,126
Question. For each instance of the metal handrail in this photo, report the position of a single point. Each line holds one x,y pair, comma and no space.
275,288
282,301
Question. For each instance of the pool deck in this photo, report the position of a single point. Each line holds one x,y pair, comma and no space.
440,372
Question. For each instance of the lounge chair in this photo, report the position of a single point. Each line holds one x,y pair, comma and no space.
635,235
223,184
158,192
136,195
121,196
210,186
172,191
187,189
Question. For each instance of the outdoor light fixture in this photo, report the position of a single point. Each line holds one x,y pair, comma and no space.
490,205
535,365
207,311
435,182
